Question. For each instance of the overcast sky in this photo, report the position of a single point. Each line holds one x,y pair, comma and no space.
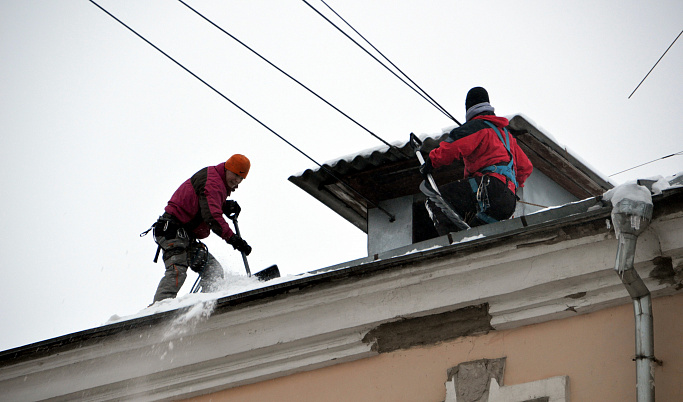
98,129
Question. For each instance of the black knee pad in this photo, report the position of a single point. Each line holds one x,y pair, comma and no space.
197,256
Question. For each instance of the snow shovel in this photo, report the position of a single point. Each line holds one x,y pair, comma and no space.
267,274
444,205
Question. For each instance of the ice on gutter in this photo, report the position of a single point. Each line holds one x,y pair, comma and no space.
658,183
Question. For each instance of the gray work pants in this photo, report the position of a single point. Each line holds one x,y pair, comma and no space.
175,260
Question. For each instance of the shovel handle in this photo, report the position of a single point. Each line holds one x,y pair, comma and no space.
415,142
417,146
244,256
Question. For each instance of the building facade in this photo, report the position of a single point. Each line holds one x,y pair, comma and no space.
528,309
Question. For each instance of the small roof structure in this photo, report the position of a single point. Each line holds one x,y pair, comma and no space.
386,173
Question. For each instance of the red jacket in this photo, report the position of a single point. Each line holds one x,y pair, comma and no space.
478,146
198,203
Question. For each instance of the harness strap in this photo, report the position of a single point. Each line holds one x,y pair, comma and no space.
167,219
143,234
479,190
507,170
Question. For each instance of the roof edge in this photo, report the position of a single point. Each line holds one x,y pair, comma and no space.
520,122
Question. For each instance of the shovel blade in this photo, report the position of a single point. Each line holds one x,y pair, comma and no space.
269,273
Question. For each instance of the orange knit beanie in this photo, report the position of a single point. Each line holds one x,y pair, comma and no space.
239,165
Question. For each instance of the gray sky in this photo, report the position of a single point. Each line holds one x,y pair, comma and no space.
97,129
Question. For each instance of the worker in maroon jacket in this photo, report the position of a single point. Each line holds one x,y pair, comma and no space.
195,209
495,167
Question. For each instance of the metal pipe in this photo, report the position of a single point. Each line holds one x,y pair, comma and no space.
645,349
630,219
642,309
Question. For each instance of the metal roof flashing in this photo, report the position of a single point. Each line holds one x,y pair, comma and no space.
583,210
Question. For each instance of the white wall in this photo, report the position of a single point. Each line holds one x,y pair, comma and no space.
539,189
384,235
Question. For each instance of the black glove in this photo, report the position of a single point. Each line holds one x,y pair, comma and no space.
426,168
231,209
239,244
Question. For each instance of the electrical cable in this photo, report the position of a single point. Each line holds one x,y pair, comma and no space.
434,102
391,216
653,67
289,76
647,163
384,65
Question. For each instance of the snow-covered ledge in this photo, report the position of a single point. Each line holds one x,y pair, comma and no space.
552,270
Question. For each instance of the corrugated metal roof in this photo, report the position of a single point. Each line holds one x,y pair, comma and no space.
352,185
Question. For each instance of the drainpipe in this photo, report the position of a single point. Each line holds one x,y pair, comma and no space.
631,215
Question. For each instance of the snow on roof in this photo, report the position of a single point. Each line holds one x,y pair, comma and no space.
637,192
202,304
199,306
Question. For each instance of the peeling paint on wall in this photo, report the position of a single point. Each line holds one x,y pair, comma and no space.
429,330
663,270
471,379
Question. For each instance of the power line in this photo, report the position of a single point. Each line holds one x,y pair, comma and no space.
653,67
647,163
432,101
286,74
391,217
377,60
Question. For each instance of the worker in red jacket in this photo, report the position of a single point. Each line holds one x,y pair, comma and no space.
495,167
195,209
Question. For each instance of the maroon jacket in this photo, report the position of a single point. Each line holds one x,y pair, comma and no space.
478,146
198,203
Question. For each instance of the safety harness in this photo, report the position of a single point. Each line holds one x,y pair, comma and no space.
169,226
507,170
